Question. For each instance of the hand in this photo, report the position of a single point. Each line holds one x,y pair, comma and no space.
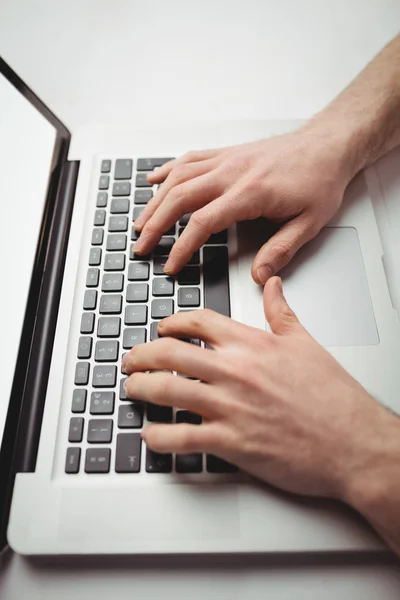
275,404
297,179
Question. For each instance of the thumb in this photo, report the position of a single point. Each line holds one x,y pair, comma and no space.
280,316
280,249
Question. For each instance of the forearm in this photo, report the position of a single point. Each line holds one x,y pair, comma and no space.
374,490
365,117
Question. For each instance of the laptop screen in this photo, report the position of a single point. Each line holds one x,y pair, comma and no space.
27,142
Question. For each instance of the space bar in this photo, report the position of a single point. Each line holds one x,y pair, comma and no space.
216,279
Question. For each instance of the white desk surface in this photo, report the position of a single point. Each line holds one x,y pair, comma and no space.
138,61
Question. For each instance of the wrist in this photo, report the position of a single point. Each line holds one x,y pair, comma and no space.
372,486
346,140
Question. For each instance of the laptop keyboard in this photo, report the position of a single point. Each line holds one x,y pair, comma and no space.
125,297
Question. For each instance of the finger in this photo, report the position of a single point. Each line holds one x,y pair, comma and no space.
207,325
160,174
175,355
179,175
216,216
280,316
166,389
181,438
184,198
280,249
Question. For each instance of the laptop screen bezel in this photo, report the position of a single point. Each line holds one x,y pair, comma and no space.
8,446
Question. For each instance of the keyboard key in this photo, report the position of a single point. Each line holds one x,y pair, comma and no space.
119,206
102,403
218,238
171,231
134,234
142,181
90,300
130,416
127,459
133,337
137,292
189,463
218,465
122,188
114,262
118,224
138,271
100,431
106,351
97,237
116,242
136,315
85,347
159,414
148,164
75,433
94,257
72,460
104,182
164,246
154,335
158,463
216,279
97,460
92,277
122,395
87,323
143,196
137,211
194,341
110,304
123,168
162,308
158,265
99,218
184,220
82,370
105,166
195,259
108,327
188,296
104,376
102,198
78,401
189,276
163,286
186,416
112,283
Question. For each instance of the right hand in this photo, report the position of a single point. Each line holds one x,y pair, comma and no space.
297,180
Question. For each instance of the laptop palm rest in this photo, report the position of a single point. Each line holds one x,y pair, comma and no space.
325,284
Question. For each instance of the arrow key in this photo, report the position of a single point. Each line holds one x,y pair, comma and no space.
158,463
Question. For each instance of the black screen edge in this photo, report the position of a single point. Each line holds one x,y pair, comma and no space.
24,417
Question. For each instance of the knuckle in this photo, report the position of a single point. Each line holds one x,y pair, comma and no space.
200,318
284,250
199,220
176,194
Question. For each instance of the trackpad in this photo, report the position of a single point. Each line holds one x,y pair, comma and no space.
325,284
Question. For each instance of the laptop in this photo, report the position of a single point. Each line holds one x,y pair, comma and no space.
76,478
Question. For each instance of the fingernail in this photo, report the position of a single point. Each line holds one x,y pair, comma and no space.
168,267
279,284
125,387
264,273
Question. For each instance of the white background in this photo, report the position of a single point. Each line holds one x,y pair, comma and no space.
152,61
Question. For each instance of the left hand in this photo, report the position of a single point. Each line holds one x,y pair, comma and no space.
275,404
